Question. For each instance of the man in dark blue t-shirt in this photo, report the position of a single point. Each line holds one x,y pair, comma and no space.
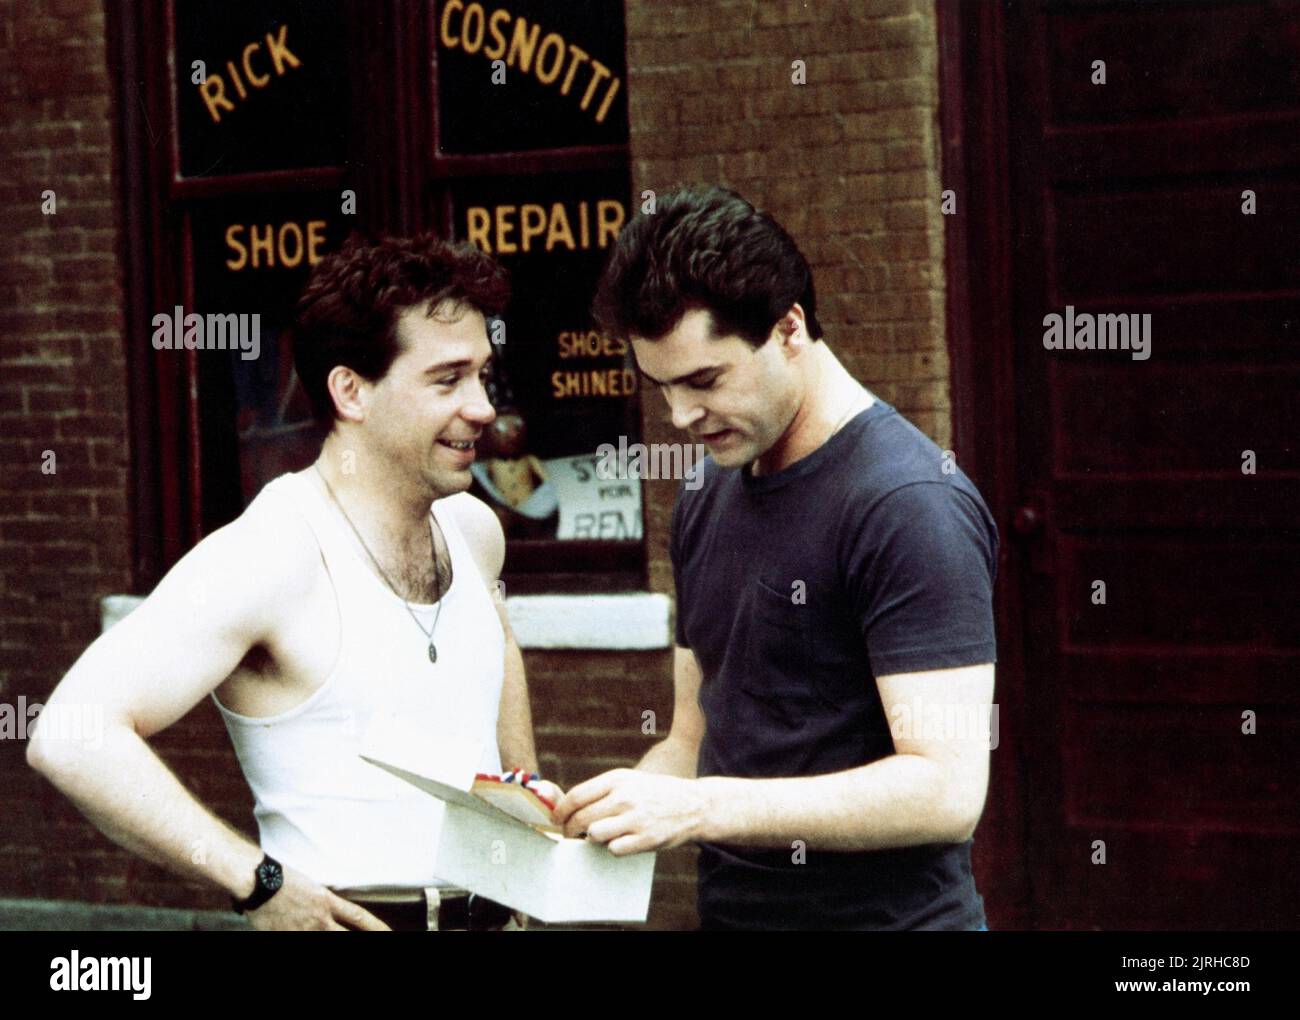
834,572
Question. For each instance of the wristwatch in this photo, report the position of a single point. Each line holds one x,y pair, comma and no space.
269,876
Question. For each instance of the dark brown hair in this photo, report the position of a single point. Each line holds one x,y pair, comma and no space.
348,313
704,248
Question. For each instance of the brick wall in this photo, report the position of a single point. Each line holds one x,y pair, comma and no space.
64,537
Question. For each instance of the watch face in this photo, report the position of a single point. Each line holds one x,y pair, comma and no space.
270,876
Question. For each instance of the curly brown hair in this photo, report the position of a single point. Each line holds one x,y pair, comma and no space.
348,313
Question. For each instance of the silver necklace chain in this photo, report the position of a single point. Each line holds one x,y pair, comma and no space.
428,634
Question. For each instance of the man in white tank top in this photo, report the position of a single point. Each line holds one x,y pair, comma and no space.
355,592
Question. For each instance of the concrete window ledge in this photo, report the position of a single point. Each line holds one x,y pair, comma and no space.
113,609
635,621
632,621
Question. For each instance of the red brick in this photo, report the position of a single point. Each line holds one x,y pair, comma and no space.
913,215
74,107
13,503
24,270
891,8
39,531
102,320
14,554
39,428
37,32
102,239
19,453
109,505
18,321
63,504
70,8
915,276
50,137
85,267
106,400
56,399
70,555
91,188
794,12
24,872
91,425
108,452
34,632
95,134
82,476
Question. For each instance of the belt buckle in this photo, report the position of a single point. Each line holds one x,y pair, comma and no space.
471,903
477,912
436,898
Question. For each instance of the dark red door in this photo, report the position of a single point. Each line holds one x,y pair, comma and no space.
1155,529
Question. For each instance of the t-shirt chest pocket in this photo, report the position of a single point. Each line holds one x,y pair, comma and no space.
779,661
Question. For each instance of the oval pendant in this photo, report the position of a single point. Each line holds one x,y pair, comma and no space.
433,653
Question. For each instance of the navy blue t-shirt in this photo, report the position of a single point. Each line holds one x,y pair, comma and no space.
795,590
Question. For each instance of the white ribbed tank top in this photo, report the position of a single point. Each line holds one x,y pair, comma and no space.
320,808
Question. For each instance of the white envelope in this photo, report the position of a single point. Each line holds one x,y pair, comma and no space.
483,849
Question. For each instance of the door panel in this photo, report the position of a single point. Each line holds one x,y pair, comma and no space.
1126,198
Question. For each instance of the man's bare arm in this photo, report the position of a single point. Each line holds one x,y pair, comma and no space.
515,717
220,600
930,791
678,753
139,678
483,534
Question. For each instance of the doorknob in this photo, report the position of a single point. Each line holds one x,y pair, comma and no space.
1029,524
1028,520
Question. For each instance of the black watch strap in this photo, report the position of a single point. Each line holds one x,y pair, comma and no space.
269,876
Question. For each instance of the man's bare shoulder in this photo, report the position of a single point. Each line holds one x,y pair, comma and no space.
482,530
243,586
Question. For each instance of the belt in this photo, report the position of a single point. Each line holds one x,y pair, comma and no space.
431,909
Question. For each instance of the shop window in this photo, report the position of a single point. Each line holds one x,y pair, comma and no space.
273,114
